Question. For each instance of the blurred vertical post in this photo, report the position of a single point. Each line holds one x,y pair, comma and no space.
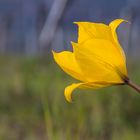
30,27
3,35
131,13
51,23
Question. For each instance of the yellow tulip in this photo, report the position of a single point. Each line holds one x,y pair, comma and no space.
97,59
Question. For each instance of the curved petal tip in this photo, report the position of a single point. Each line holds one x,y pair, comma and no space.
115,23
76,22
68,91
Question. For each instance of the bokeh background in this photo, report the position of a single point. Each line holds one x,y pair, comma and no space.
32,104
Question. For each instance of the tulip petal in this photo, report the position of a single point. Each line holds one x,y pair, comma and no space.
88,30
66,60
99,60
114,24
69,90
90,85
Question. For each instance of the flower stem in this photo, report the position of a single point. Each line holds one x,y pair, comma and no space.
133,85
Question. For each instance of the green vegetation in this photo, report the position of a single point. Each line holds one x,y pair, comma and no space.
32,105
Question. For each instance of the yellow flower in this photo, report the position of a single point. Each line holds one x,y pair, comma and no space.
97,59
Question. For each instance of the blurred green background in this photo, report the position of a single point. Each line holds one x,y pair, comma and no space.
32,104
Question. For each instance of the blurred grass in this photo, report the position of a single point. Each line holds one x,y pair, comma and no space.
32,105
